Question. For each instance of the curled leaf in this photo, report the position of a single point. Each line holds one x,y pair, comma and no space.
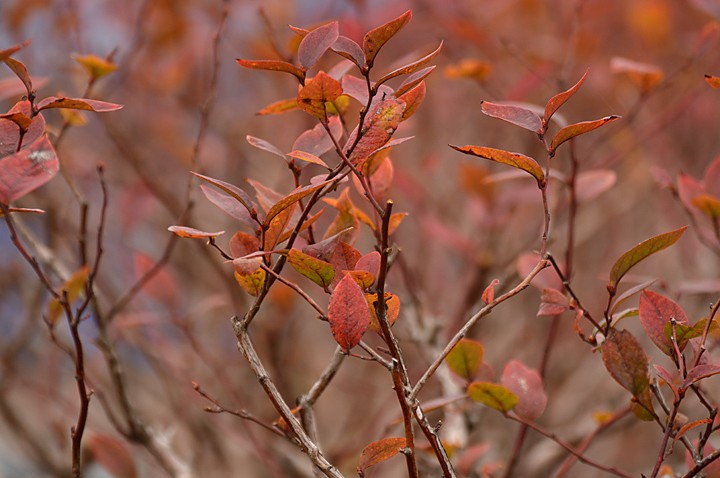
77,104
573,130
273,65
192,233
516,160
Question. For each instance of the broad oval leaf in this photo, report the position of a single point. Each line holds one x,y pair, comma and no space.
516,160
252,283
273,65
573,130
380,124
374,40
316,270
516,115
635,255
315,43
379,451
349,49
229,205
413,98
411,67
77,104
558,100
527,385
369,262
466,358
656,311
591,184
238,194
316,92
392,305
34,165
242,244
626,361
493,395
348,313
192,233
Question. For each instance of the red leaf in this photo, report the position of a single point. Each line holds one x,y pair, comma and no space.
307,157
626,361
316,92
488,294
77,104
348,313
316,43
573,130
553,302
413,99
379,451
316,141
413,80
273,65
516,115
591,184
369,262
655,312
516,160
527,384
8,52
700,372
344,258
377,37
242,244
21,72
349,49
558,100
28,169
380,124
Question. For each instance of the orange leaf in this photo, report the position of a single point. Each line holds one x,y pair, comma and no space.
279,107
413,98
379,451
95,66
645,76
558,100
380,124
411,67
273,65
77,104
392,304
488,294
713,81
316,92
192,233
573,130
516,160
374,40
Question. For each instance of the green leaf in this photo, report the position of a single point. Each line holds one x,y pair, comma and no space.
626,361
573,130
635,255
377,37
252,283
515,160
493,395
685,332
466,358
318,271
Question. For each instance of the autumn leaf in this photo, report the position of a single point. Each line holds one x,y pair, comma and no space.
235,192
380,124
392,305
527,385
349,49
379,451
77,104
553,302
292,198
560,99
316,270
26,170
273,65
265,146
515,160
410,67
492,395
316,92
307,157
413,98
656,311
72,288
413,80
374,40
573,130
95,66
316,43
713,81
516,115
348,313
643,75
279,107
635,255
488,294
192,233
626,361
466,358
253,282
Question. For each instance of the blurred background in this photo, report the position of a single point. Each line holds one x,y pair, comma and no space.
469,222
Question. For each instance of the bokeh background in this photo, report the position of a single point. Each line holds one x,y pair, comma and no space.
469,222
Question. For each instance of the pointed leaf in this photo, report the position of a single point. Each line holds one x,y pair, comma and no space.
700,372
318,271
686,428
414,80
558,100
316,92
276,227
377,37
635,255
573,130
527,385
95,66
380,124
492,395
326,248
238,194
413,99
395,220
392,305
21,72
488,294
316,43
626,361
516,115
77,104
629,293
229,205
369,262
265,146
553,302
348,313
293,198
515,160
279,107
379,451
23,210
72,288
307,157
684,333
8,52
192,233
709,205
466,358
273,65
657,311
410,67
713,81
